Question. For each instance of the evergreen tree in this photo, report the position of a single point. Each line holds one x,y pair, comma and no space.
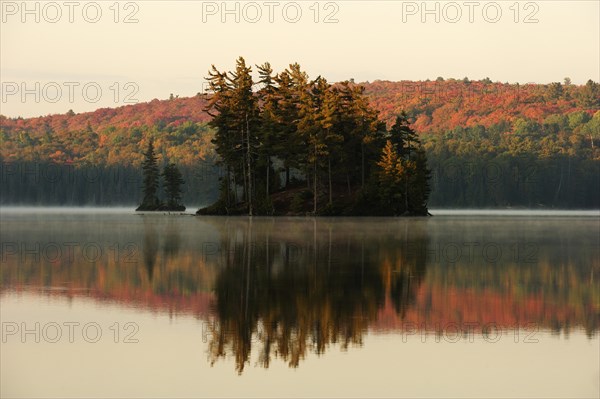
363,134
318,127
150,172
590,95
391,174
403,137
234,109
330,114
173,180
227,140
328,133
270,128
245,114
292,97
419,184
405,140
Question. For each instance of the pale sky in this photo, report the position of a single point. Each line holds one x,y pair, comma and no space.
50,67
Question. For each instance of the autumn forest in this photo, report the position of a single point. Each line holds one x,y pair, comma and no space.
481,143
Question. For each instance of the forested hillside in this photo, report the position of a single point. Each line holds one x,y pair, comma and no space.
488,144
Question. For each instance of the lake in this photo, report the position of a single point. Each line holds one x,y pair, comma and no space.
108,303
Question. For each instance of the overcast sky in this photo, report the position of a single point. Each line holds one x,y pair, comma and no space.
56,56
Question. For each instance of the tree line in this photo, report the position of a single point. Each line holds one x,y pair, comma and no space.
334,155
554,164
487,144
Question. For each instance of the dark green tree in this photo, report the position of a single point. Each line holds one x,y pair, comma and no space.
404,139
402,136
245,112
234,108
292,97
390,175
269,134
173,180
150,172
327,135
227,141
589,96
418,187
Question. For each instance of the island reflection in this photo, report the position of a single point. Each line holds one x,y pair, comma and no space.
285,287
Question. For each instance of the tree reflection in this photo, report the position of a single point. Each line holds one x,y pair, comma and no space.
286,287
286,295
172,242
150,247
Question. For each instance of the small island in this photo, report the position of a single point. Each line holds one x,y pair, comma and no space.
172,181
289,145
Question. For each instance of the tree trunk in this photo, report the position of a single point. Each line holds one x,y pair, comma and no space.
268,167
362,166
227,186
235,198
249,167
406,181
330,188
405,193
245,193
315,182
559,183
348,183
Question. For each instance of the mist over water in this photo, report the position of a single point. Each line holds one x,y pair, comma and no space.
17,209
516,212
12,209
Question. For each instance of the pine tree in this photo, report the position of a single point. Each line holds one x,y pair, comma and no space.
405,140
316,128
419,184
172,183
391,174
362,134
292,93
269,133
245,121
329,132
150,171
329,118
403,137
234,109
227,138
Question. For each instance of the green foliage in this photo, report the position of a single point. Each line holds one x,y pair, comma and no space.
555,91
151,175
234,109
547,168
328,133
173,181
418,185
589,97
577,119
403,180
391,179
472,124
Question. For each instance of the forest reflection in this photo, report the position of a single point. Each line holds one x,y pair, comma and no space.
281,288
286,289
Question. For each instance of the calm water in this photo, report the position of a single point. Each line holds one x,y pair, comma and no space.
459,305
